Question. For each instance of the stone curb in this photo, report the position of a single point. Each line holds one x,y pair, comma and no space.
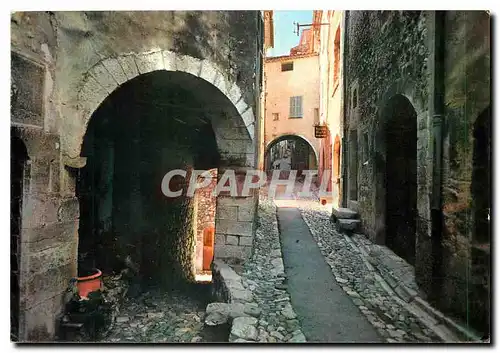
279,271
228,288
442,326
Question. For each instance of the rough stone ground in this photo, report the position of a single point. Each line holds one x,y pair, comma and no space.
165,317
385,312
263,275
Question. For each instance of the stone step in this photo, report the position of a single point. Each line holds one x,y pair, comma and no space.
348,225
344,213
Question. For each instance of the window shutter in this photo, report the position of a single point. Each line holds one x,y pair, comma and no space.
299,106
292,106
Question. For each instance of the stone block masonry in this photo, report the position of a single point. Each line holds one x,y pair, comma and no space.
235,227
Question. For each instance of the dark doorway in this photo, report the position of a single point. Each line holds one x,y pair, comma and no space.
18,158
479,288
401,177
481,177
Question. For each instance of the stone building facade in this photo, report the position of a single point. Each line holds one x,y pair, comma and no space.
329,24
417,130
103,105
292,81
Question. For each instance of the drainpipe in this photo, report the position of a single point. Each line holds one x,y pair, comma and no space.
437,94
345,19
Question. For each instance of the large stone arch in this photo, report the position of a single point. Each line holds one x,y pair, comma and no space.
233,124
284,136
109,74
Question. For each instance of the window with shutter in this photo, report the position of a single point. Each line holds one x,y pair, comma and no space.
296,107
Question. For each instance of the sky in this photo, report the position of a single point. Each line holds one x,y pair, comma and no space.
284,38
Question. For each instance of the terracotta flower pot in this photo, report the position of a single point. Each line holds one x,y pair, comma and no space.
89,283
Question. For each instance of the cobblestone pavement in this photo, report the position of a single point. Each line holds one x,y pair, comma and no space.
384,311
264,275
165,317
383,258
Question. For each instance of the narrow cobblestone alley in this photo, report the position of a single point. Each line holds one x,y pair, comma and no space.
357,305
250,176
386,312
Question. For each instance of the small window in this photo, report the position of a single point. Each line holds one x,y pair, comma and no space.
276,116
287,66
355,98
316,115
296,107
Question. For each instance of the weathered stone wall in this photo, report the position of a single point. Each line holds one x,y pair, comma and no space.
467,96
225,38
389,53
82,57
48,236
386,54
235,224
205,215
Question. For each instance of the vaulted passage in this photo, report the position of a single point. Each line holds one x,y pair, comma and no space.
401,177
153,124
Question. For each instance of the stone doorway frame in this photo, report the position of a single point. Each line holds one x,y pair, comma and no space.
407,89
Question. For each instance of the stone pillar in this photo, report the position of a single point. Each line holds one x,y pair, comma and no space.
235,222
49,238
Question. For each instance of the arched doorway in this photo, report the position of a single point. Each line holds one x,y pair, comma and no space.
400,177
481,177
152,124
18,176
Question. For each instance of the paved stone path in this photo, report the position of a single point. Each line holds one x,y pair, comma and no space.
263,275
386,312
326,312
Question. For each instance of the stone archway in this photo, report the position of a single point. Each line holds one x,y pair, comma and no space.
196,102
110,73
313,160
397,177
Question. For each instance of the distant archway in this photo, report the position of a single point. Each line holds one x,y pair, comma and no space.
305,157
